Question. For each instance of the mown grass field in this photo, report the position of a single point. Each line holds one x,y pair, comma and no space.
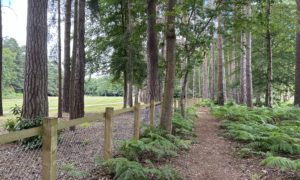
92,104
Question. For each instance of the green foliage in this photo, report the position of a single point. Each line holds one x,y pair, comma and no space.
183,127
154,144
10,124
263,131
71,170
17,124
31,142
282,163
124,169
103,86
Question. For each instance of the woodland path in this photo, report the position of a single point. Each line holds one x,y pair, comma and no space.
213,157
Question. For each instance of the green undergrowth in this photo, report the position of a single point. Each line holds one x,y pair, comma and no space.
272,133
136,157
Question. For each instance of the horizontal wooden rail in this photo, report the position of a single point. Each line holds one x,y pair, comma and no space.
87,119
17,135
121,111
100,117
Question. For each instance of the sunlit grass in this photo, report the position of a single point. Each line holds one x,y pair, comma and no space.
93,104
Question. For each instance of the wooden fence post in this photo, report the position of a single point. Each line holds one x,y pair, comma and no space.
152,113
137,121
108,133
49,149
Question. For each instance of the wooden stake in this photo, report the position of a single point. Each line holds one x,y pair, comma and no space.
152,113
108,133
137,121
49,149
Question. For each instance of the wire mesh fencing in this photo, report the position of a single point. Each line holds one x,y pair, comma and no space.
123,129
78,151
18,161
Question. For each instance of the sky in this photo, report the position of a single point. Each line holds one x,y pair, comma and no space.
14,15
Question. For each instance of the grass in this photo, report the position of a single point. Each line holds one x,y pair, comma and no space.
93,104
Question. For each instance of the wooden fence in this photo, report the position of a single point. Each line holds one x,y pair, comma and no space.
51,126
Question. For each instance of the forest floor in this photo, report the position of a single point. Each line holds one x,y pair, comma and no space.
213,157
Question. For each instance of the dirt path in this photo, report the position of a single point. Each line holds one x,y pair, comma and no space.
212,157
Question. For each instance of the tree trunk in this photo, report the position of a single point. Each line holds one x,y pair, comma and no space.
67,57
183,93
297,71
243,78
205,78
77,108
257,99
194,82
59,114
125,91
136,95
167,112
269,57
74,50
212,71
1,59
152,51
35,97
199,82
249,88
234,74
129,55
221,98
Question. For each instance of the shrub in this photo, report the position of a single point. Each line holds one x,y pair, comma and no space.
17,124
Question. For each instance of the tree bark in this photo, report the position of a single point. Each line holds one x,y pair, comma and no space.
74,50
243,78
205,78
59,113
269,98
183,93
249,63
35,97
194,83
153,81
1,59
125,90
167,112
67,57
77,107
221,98
297,71
212,71
129,55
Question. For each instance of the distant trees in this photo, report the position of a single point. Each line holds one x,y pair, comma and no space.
269,98
221,92
35,103
297,60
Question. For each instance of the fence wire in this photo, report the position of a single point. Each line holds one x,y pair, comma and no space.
123,129
19,162
77,150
